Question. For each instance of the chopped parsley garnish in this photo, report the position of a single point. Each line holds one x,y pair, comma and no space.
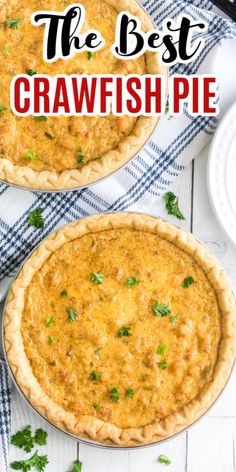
6,50
81,158
35,218
72,314
174,319
25,440
98,351
114,394
2,109
96,405
187,282
32,155
13,24
77,466
125,331
52,339
40,118
133,282
164,459
160,309
94,375
64,293
31,72
161,349
162,364
96,278
172,205
49,321
129,393
91,55
36,461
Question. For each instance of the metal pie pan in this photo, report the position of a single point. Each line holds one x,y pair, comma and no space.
89,441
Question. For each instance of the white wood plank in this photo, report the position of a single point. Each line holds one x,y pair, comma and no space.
206,228
61,451
135,461
211,446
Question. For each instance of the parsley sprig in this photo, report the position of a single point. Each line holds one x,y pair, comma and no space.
96,278
35,218
161,349
91,55
25,440
31,72
133,282
160,309
125,331
172,205
13,24
187,282
36,461
114,394
129,393
2,109
72,314
77,467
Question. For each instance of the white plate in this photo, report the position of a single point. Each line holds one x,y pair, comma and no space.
221,173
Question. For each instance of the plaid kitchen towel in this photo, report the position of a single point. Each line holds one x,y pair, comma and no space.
140,183
5,415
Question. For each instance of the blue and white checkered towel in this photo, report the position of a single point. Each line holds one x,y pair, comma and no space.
176,141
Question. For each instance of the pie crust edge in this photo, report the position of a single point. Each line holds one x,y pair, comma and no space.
112,160
89,427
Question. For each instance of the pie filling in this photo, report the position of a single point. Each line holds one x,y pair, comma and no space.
121,325
57,143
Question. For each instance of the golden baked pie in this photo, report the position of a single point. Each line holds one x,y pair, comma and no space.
121,328
63,152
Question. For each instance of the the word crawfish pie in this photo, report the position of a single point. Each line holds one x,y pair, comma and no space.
62,152
121,328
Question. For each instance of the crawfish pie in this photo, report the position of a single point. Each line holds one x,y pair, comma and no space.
121,328
63,152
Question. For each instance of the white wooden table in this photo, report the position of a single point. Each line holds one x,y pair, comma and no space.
209,446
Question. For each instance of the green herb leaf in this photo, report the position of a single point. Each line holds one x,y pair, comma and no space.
13,24
23,439
64,293
160,309
35,218
6,50
96,278
32,155
94,375
129,393
2,109
77,466
40,118
172,205
91,55
114,394
81,158
187,282
133,282
72,314
164,459
31,72
174,319
161,349
52,339
49,321
36,461
125,331
162,364
41,437
98,351
96,405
